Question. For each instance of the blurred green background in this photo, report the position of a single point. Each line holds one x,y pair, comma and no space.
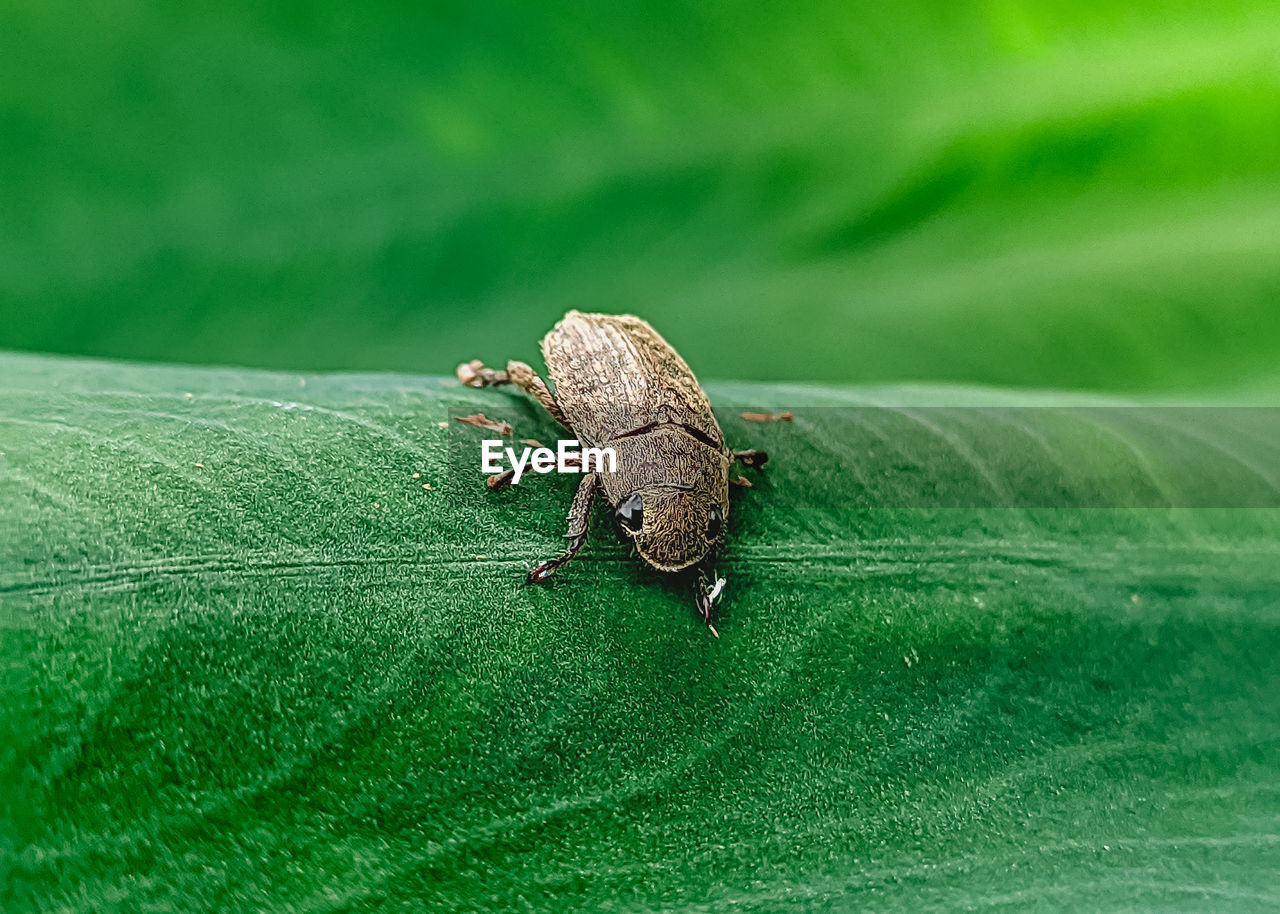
1068,194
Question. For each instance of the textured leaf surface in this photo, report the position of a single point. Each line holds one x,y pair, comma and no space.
251,662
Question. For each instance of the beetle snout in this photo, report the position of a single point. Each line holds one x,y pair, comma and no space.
665,555
677,530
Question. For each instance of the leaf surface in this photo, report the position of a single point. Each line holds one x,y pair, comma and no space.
251,662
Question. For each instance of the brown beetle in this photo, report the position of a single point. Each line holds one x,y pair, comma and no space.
619,384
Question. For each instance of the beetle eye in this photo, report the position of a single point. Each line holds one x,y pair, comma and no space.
714,523
631,513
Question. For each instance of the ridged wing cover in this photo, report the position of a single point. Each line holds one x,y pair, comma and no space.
614,374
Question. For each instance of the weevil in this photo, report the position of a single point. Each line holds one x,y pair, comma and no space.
619,384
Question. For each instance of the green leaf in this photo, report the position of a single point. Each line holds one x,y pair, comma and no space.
1074,194
250,662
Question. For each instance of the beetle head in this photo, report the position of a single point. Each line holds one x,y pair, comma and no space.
672,528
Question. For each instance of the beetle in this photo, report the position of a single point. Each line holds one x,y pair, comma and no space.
619,384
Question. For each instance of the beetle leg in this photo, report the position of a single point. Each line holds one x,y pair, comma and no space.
707,591
474,374
503,479
579,518
751,458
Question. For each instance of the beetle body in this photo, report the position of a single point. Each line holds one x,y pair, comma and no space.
621,385
618,384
